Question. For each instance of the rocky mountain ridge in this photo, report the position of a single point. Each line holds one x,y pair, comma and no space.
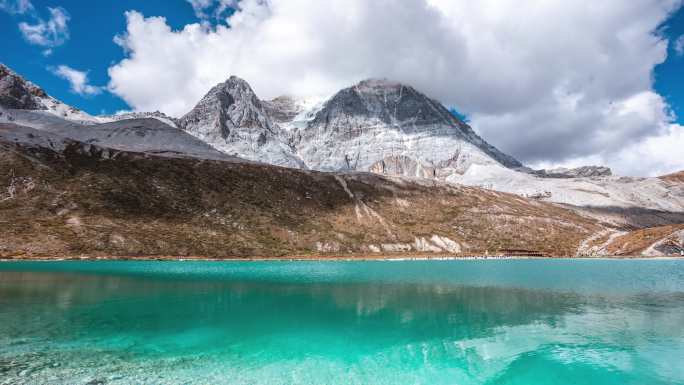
375,126
19,93
390,128
578,172
233,119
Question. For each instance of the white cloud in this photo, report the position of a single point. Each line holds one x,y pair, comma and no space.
546,81
16,6
679,45
565,127
655,155
652,156
78,80
50,33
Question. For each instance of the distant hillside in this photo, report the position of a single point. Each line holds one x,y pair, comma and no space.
652,242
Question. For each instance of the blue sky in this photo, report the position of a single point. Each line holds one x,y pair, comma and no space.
90,46
669,76
575,83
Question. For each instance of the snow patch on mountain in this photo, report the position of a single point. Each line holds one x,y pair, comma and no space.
294,113
613,191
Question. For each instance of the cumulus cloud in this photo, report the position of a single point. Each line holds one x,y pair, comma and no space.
16,7
652,156
544,81
50,33
78,80
655,155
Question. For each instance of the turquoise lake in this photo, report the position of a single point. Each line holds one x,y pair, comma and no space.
363,322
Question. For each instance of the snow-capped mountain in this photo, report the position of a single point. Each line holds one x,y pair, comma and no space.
19,93
233,120
31,116
374,126
388,127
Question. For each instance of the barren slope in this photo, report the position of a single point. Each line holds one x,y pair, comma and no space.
86,200
677,177
652,241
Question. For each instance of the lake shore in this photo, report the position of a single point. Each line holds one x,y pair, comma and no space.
384,257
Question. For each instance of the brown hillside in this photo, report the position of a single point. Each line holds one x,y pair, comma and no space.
635,242
89,201
677,177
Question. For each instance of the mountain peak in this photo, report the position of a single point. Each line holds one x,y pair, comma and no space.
236,105
231,118
17,92
380,121
378,83
20,94
235,81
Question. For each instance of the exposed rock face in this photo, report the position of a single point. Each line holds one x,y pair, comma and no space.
15,92
376,125
232,119
383,126
402,165
282,109
579,172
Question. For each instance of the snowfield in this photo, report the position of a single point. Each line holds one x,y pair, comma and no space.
611,191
